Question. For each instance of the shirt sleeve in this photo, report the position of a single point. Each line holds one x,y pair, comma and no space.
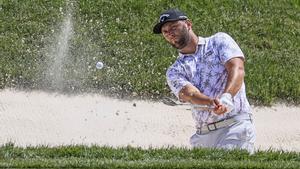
176,78
226,47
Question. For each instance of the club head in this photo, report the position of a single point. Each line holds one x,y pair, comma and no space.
169,101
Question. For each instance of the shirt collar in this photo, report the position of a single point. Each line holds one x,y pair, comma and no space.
201,41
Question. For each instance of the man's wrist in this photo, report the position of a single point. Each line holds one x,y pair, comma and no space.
227,95
227,100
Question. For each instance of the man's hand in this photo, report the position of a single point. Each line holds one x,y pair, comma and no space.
219,108
224,104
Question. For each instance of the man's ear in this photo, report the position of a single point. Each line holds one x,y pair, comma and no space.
189,24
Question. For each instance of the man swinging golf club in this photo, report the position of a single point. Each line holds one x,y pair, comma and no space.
209,71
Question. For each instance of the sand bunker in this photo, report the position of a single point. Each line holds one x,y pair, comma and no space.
39,118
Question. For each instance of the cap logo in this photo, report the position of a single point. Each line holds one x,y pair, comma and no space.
163,17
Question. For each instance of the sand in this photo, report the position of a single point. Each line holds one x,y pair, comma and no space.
38,118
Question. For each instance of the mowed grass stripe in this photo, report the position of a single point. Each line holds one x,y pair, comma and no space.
147,163
9,151
130,157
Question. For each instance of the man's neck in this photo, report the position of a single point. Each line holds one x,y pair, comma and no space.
191,47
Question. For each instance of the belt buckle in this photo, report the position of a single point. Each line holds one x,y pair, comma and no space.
209,128
211,124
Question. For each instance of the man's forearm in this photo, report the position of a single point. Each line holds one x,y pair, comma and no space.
191,94
234,82
235,77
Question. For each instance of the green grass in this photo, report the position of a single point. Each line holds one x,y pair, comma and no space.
130,157
119,33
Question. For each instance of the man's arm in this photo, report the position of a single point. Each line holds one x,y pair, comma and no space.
235,70
236,73
190,93
235,78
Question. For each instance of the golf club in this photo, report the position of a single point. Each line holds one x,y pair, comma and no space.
172,102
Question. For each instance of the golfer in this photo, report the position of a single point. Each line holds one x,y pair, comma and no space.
209,71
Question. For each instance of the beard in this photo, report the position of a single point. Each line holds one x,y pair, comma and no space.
183,39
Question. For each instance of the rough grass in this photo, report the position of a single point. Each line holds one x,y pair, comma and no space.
119,33
130,157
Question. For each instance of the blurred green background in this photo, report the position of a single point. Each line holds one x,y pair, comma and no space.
119,33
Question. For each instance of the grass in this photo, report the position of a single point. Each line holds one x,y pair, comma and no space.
135,157
119,33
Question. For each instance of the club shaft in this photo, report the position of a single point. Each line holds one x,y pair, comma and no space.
171,102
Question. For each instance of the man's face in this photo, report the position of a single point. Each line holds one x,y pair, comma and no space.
176,33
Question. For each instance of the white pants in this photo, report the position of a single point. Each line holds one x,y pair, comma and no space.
240,135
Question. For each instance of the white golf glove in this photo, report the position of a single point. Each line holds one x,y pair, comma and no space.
227,100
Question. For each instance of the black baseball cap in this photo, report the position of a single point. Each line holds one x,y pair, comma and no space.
168,16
